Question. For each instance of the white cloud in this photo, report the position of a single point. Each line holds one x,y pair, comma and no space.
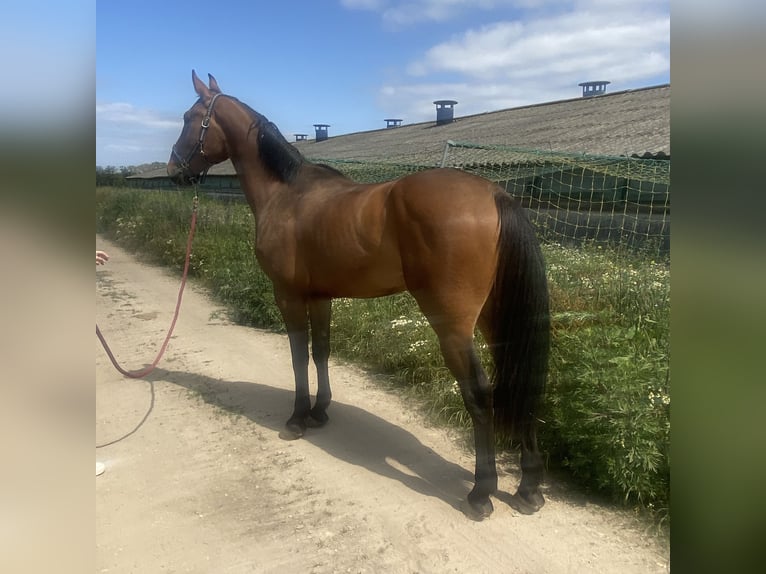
129,135
580,43
363,4
401,13
541,58
414,11
119,113
407,12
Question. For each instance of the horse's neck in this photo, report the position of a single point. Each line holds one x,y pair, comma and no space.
256,183
255,180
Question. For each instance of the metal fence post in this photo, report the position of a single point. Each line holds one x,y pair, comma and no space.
447,145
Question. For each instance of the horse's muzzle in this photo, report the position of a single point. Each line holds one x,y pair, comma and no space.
175,173
178,174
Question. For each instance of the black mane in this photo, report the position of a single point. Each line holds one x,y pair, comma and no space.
332,169
281,158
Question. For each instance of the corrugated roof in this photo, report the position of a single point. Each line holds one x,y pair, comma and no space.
627,123
622,123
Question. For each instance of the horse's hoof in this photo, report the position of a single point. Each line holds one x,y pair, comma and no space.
317,419
292,431
531,502
477,511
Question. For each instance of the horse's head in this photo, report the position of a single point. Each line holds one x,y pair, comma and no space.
201,143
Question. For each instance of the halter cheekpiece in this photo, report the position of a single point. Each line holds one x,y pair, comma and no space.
184,162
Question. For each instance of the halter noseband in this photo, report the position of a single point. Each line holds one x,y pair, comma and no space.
184,162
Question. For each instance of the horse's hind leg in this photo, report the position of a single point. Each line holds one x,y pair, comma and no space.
460,356
319,312
531,460
531,473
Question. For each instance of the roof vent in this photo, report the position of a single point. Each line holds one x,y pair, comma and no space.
393,122
595,88
321,131
301,137
444,111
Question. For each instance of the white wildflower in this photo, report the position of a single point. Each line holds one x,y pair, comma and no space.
417,345
400,322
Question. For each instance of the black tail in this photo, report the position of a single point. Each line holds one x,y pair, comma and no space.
520,323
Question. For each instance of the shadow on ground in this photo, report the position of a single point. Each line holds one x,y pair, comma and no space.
353,435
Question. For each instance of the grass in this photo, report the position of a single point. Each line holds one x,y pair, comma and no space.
608,400
606,415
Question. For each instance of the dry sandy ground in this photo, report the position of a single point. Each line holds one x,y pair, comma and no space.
198,480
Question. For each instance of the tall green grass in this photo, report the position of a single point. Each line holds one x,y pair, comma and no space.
606,415
607,411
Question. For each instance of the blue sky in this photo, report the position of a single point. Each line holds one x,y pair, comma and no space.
352,63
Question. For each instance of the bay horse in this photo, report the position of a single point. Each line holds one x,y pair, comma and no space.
458,243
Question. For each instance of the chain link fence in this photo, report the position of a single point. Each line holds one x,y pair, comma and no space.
615,200
572,198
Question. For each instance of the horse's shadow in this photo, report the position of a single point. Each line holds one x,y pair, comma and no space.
353,435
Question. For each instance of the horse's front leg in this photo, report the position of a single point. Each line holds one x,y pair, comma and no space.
319,312
295,314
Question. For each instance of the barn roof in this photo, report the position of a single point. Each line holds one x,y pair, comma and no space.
623,123
626,123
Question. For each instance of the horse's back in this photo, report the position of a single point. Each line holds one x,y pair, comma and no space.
449,178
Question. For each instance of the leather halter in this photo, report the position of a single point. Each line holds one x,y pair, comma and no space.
184,162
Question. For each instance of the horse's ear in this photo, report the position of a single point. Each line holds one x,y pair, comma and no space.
200,87
213,84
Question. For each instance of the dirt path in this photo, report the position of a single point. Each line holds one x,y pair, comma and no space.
198,480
